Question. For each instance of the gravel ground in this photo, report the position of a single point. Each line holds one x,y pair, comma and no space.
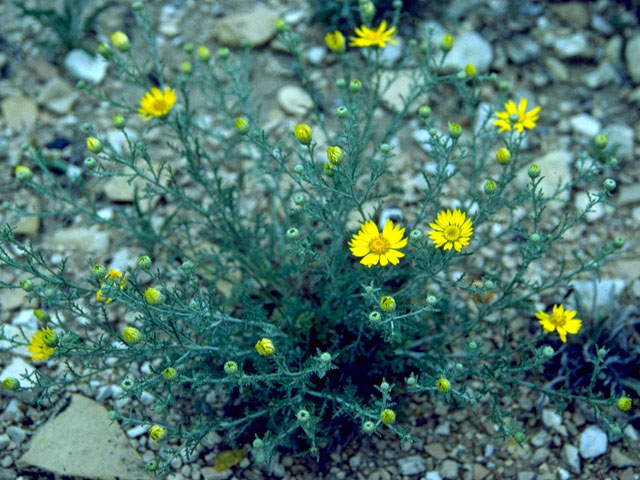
580,61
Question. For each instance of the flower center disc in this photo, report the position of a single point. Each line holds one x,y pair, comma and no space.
379,245
558,320
452,233
159,105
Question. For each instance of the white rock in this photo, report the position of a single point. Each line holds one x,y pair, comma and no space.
449,469
16,369
26,319
632,57
563,474
4,441
469,47
58,96
169,22
137,431
593,442
12,413
85,67
146,398
604,75
551,419
398,85
573,46
294,100
19,112
607,292
622,137
443,429
631,433
581,201
433,475
257,26
414,465
423,137
555,167
571,458
316,55
585,125
81,239
16,434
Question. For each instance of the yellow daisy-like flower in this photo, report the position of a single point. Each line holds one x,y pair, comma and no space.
562,320
518,117
367,37
378,247
451,230
265,347
111,276
156,103
38,347
335,41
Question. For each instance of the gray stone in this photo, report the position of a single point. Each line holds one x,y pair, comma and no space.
581,200
469,47
605,293
621,137
80,239
571,458
540,439
526,475
58,96
82,441
555,167
137,431
593,442
256,26
620,460
540,455
12,413
16,434
631,433
85,67
433,475
19,112
585,125
575,14
316,55
355,461
397,87
169,21
558,70
629,194
604,75
573,46
522,49
562,474
443,429
294,100
414,465
4,441
449,469
210,473
632,57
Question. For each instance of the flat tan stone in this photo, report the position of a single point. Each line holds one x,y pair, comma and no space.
82,442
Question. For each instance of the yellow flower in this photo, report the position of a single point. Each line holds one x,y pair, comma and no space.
94,145
38,347
265,347
368,38
562,320
156,103
169,373
378,247
157,433
335,41
451,230
470,70
153,296
443,385
517,117
388,416
387,304
120,41
131,335
446,43
111,276
334,154
302,132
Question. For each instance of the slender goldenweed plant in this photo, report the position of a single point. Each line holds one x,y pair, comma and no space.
276,302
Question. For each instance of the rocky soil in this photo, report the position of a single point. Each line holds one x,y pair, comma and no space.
580,61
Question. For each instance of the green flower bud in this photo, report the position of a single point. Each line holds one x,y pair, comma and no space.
387,304
11,383
293,234
443,385
548,351
341,112
397,4
602,352
325,357
169,373
303,416
258,443
49,293
144,262
90,163
120,40
368,427
341,82
138,6
94,145
281,25
519,437
204,54
385,148
242,126
188,48
153,297
411,380
104,50
98,271
504,86
385,387
299,199
534,171
298,168
151,466
424,111
431,300
446,43
472,345
535,238
42,316
415,235
618,243
375,317
27,285
624,404
609,184
329,169
127,384
490,187
230,367
50,338
503,156
355,85
260,457
186,68
223,53
600,141
23,174
455,130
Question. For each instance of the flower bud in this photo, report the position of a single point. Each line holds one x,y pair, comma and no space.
334,154
302,132
519,437
470,70
49,293
503,156
411,380
186,68
118,122
153,296
90,163
151,466
432,300
131,335
303,416
455,130
281,25
242,126
341,112
120,41
443,385
534,171
535,238
424,111
144,262
298,168
265,347
137,6
335,41
385,387
204,54
609,184
548,351
355,85
169,373
341,82
94,145
325,357
504,86
258,443
375,317
260,458
27,285
490,187
368,427
388,416
230,367
157,433
41,315
624,404
461,75
387,304
618,243
188,48
22,173
104,50
472,345
98,271
127,384
329,169
293,234
415,235
50,338
299,199
602,352
11,383
446,43
600,141
397,4
223,53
